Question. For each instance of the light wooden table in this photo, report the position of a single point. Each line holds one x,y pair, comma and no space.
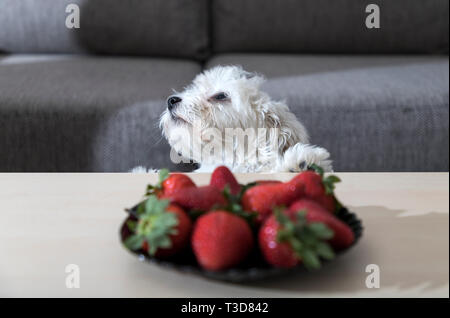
48,221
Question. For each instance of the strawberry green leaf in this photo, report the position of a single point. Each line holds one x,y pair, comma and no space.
310,259
329,183
245,187
134,242
234,205
333,179
307,240
307,237
131,225
283,235
325,251
227,193
163,175
282,218
154,225
155,206
165,242
154,189
151,189
321,231
297,245
301,218
318,169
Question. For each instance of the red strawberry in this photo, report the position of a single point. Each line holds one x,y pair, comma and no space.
319,188
286,240
161,229
197,198
168,184
221,240
343,234
221,177
263,198
175,182
279,254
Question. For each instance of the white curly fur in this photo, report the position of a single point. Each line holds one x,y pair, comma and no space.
283,148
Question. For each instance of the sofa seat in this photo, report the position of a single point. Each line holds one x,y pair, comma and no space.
72,113
373,113
100,114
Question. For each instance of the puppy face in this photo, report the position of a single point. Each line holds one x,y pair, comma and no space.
222,97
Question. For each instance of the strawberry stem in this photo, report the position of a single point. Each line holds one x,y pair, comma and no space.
234,205
329,183
154,189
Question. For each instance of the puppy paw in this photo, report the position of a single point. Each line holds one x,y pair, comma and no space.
300,156
141,169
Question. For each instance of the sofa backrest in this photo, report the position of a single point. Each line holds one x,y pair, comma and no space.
329,26
196,29
173,28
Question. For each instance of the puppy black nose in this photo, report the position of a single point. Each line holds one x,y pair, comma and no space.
172,101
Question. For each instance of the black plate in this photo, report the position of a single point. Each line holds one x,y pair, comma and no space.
253,269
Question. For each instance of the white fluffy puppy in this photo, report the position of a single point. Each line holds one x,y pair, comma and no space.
206,121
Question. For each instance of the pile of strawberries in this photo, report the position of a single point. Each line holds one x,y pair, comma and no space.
222,223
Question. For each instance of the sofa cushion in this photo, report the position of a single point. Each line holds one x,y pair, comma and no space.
174,28
67,113
329,26
374,113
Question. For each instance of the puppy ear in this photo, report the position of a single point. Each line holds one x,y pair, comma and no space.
271,120
278,135
288,130
243,74
255,78
249,75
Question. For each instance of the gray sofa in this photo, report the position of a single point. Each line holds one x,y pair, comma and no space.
88,99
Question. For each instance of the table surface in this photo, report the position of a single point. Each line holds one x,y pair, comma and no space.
48,221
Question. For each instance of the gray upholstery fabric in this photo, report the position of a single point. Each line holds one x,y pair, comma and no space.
329,26
131,137
374,113
173,28
71,113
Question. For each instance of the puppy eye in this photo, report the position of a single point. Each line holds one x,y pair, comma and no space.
220,96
